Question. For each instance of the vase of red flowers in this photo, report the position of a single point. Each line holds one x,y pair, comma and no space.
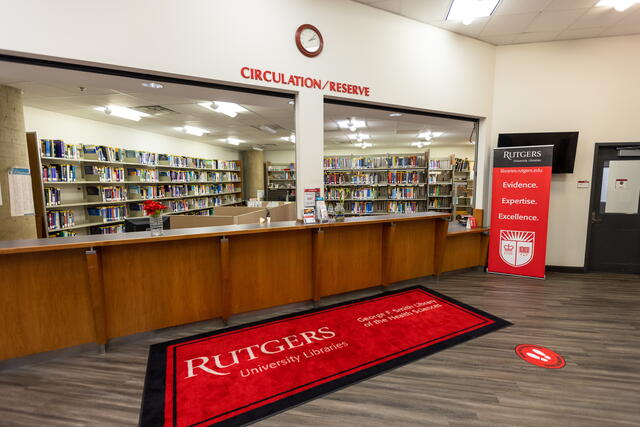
154,210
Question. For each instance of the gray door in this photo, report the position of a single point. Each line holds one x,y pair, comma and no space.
614,229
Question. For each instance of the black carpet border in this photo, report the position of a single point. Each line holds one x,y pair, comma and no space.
154,385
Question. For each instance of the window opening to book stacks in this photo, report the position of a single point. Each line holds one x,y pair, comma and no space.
100,145
379,161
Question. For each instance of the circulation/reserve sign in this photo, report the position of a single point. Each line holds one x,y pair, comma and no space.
519,210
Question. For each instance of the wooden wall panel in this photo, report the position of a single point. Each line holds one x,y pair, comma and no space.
411,253
269,269
157,285
350,259
465,251
44,302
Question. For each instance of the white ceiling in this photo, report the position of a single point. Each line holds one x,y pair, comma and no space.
524,21
78,93
391,132
60,91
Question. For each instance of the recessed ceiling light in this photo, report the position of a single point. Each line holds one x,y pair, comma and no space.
192,130
123,112
153,85
268,129
421,144
291,102
395,114
363,145
227,108
291,138
255,147
233,141
619,5
359,136
352,124
468,10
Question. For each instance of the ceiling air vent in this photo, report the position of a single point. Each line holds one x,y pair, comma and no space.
154,110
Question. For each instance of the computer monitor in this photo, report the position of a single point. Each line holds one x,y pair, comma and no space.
142,223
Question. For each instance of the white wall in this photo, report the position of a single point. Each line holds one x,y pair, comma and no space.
591,86
50,125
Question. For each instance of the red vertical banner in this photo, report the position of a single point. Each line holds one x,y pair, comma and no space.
520,210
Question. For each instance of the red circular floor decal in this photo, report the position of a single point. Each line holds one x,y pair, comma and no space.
540,356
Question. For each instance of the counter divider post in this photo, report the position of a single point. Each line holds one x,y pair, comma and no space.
388,234
316,264
95,283
440,245
225,279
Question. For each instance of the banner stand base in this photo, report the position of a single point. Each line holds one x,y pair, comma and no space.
517,275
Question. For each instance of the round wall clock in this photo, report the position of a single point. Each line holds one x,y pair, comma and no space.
309,40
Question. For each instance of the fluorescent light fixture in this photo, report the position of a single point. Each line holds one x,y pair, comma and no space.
153,85
395,114
267,129
429,135
421,144
619,5
359,136
291,138
363,145
233,141
123,112
468,10
352,124
291,102
227,108
192,130
257,148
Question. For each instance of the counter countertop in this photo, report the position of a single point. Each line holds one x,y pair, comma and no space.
95,240
455,228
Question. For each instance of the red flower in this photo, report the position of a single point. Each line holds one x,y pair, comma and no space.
152,207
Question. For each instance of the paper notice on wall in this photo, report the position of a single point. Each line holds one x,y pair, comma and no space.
20,192
623,187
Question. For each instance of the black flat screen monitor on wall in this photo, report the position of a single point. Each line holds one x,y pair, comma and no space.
564,146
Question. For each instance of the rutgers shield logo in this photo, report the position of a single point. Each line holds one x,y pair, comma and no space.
516,247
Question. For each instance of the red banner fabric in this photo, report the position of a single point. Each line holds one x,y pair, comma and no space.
519,210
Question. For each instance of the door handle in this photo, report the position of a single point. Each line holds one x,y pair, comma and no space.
594,218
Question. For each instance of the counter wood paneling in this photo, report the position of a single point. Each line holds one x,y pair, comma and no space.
62,292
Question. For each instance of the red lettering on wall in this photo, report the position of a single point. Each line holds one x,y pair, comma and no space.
302,81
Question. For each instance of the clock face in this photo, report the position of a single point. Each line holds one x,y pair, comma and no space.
309,40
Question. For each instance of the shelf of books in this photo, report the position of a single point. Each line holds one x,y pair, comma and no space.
463,186
92,189
280,181
377,184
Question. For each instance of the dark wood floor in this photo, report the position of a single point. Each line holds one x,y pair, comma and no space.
593,320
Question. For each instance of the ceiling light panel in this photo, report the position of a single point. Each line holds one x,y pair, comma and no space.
192,130
468,10
227,108
351,124
122,112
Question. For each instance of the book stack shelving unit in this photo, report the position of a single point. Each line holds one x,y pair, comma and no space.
377,184
280,180
463,186
90,189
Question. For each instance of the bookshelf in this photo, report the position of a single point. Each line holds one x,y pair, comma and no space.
377,184
280,181
463,186
440,187
89,189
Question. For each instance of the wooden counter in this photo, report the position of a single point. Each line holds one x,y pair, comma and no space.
62,292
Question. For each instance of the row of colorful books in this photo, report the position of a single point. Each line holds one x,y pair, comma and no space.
375,161
59,173
52,196
60,219
59,149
